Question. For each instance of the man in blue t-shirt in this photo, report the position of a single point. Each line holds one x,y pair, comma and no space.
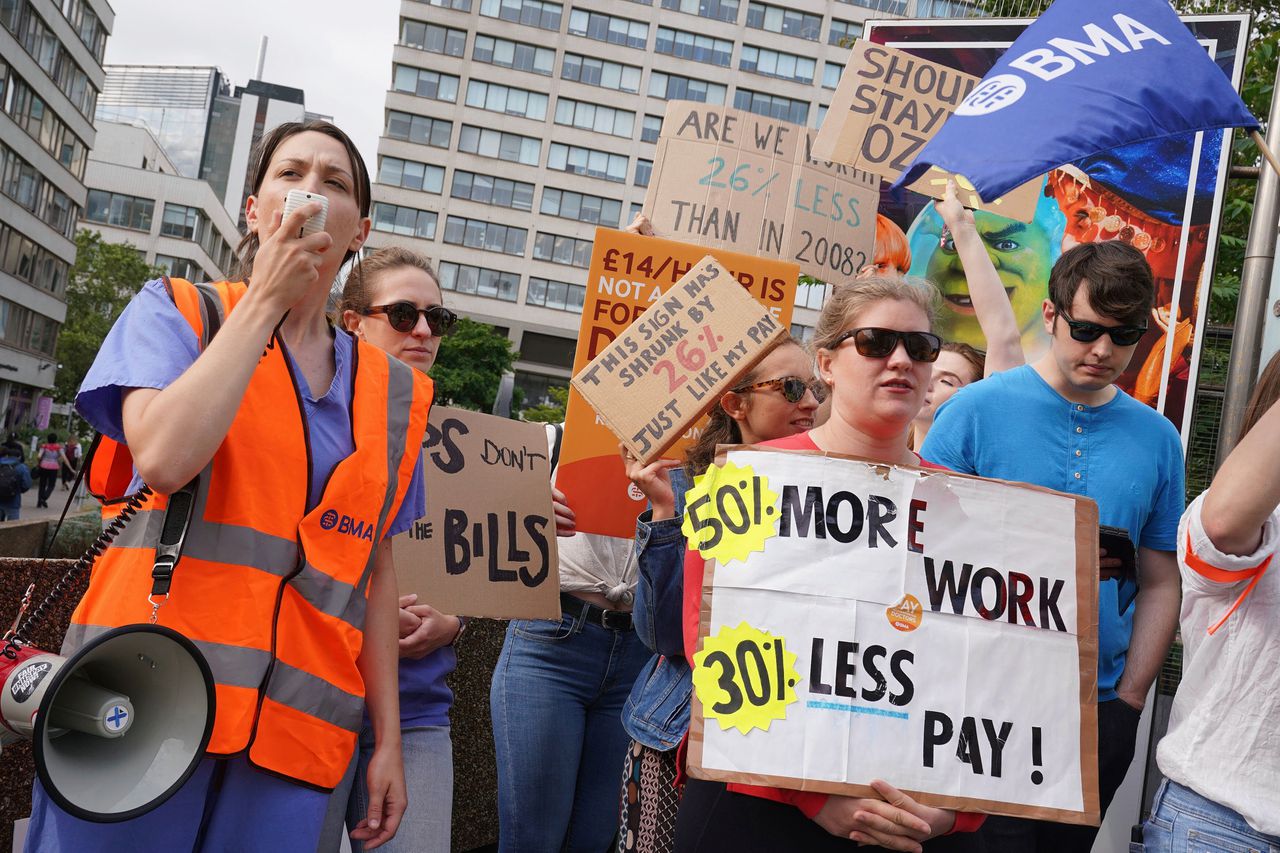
1061,423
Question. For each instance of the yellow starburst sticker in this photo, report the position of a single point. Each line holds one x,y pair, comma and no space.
745,678
729,513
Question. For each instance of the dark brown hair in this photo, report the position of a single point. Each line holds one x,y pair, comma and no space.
355,292
1119,280
262,154
720,428
1265,393
976,358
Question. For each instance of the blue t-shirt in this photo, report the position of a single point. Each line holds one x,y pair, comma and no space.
151,345
1124,455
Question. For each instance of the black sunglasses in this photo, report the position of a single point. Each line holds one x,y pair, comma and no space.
874,342
793,388
403,316
1086,332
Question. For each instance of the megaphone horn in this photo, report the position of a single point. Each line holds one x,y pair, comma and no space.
118,727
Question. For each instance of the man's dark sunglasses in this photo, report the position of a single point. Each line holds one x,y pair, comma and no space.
792,387
1086,332
403,316
874,342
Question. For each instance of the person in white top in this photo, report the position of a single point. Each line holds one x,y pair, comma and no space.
1221,755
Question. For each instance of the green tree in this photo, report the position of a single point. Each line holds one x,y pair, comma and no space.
470,365
549,413
104,278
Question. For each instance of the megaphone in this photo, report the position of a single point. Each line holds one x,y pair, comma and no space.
118,727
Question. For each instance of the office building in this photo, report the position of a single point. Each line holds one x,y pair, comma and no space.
515,127
50,79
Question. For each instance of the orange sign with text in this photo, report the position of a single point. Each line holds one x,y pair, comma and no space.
628,274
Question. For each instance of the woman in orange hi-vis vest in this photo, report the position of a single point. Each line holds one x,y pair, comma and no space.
300,444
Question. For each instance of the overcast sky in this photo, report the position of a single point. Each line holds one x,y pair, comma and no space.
339,53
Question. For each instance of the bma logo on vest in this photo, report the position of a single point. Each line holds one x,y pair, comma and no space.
346,524
1060,57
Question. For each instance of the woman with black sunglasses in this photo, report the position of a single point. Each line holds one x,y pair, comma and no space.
393,300
875,351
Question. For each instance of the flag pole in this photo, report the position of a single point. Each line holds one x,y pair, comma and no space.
1261,142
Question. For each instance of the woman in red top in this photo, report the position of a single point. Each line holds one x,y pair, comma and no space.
875,350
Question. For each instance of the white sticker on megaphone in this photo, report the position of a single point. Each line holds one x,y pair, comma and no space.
296,199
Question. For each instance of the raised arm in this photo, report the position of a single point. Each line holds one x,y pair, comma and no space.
174,432
990,302
1246,490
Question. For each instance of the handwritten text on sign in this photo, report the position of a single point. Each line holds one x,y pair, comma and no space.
944,629
675,360
887,105
726,178
487,545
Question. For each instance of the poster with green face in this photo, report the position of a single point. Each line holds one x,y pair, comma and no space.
1163,197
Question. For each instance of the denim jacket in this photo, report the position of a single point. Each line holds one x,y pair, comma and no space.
657,712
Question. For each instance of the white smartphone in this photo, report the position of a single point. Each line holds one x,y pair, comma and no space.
296,199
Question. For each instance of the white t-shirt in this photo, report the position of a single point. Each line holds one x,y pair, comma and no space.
1224,731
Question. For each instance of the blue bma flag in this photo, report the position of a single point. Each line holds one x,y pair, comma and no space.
1086,77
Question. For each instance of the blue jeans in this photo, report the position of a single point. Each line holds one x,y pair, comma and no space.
556,701
1182,821
428,776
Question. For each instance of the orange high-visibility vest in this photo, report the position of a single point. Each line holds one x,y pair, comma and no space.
274,596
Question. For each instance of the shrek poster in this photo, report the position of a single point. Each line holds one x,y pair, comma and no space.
1163,197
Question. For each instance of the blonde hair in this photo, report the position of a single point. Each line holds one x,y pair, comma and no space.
847,301
356,292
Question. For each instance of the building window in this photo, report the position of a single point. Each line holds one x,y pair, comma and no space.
636,209
819,114
644,171
503,146
651,129
465,278
406,221
555,294
25,184
788,22
456,5
23,258
433,38
30,112
486,189
843,33
22,328
43,45
506,99
580,206
831,72
122,211
598,72
675,87
896,7
181,268
559,249
587,161
490,236
811,295
595,117
608,28
185,223
514,54
534,13
699,48
426,84
774,106
801,332
411,174
946,9
421,129
772,63
718,10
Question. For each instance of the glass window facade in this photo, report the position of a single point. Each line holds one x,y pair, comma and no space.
425,84
587,161
581,206
411,174
513,54
487,142
405,221
506,99
490,236
602,73
486,189
595,117
480,281
699,48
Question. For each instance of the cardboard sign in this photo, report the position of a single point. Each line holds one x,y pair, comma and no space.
726,178
887,105
487,545
671,365
864,621
628,274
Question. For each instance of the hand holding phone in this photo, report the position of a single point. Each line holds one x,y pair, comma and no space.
296,199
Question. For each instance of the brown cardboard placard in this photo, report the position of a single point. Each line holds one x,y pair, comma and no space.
887,105
671,365
727,178
1048,696
487,545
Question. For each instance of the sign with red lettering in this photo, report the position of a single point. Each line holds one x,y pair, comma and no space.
726,178
864,621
